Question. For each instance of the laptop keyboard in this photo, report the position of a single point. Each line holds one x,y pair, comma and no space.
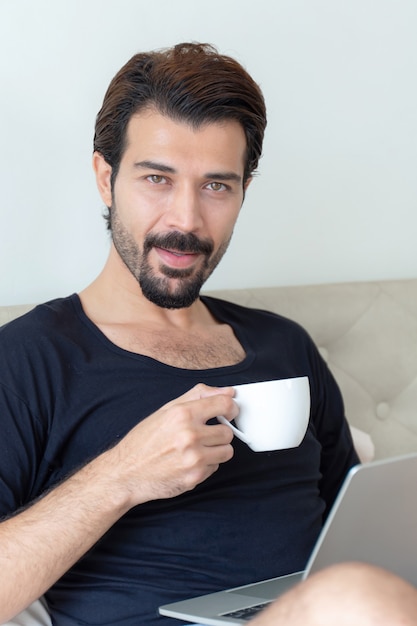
248,613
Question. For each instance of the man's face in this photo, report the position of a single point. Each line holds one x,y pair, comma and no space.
175,201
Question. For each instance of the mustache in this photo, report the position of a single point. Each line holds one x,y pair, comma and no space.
182,242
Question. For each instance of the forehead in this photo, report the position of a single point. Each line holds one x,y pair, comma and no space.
152,135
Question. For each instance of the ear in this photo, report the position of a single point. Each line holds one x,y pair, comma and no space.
245,187
103,172
247,183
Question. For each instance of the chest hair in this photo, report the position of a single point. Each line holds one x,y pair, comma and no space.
217,347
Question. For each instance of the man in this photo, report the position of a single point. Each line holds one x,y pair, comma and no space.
121,490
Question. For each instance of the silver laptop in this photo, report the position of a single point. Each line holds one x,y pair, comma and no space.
374,519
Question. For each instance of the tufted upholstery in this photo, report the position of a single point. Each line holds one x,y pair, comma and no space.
367,332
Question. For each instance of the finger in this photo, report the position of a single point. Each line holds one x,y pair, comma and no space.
220,455
205,408
204,391
217,435
214,456
193,408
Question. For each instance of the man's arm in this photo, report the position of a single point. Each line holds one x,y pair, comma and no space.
165,455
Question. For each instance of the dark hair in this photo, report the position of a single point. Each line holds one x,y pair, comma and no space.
190,82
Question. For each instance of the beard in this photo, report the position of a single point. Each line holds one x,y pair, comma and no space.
175,288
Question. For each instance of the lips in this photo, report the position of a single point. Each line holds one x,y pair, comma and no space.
176,258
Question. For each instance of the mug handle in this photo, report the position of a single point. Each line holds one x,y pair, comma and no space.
236,431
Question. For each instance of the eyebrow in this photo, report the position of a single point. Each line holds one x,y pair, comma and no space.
232,176
154,165
167,169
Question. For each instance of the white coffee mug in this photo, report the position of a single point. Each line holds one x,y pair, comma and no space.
273,415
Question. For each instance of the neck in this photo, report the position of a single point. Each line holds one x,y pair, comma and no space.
115,296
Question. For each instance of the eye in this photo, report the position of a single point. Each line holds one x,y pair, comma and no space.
156,179
215,186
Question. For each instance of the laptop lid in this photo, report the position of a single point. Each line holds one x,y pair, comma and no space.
373,519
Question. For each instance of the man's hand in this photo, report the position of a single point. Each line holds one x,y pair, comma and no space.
174,449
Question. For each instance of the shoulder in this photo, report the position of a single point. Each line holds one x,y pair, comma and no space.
260,319
43,317
49,331
37,351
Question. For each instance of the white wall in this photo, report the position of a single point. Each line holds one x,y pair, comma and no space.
336,198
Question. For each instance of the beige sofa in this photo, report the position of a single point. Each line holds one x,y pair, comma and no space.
367,332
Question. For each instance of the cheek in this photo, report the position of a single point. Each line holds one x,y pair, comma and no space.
145,204
229,219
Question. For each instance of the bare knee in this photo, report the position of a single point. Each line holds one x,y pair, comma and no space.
344,594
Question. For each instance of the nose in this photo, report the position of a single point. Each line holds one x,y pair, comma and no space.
184,212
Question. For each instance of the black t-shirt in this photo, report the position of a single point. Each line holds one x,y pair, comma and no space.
67,393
